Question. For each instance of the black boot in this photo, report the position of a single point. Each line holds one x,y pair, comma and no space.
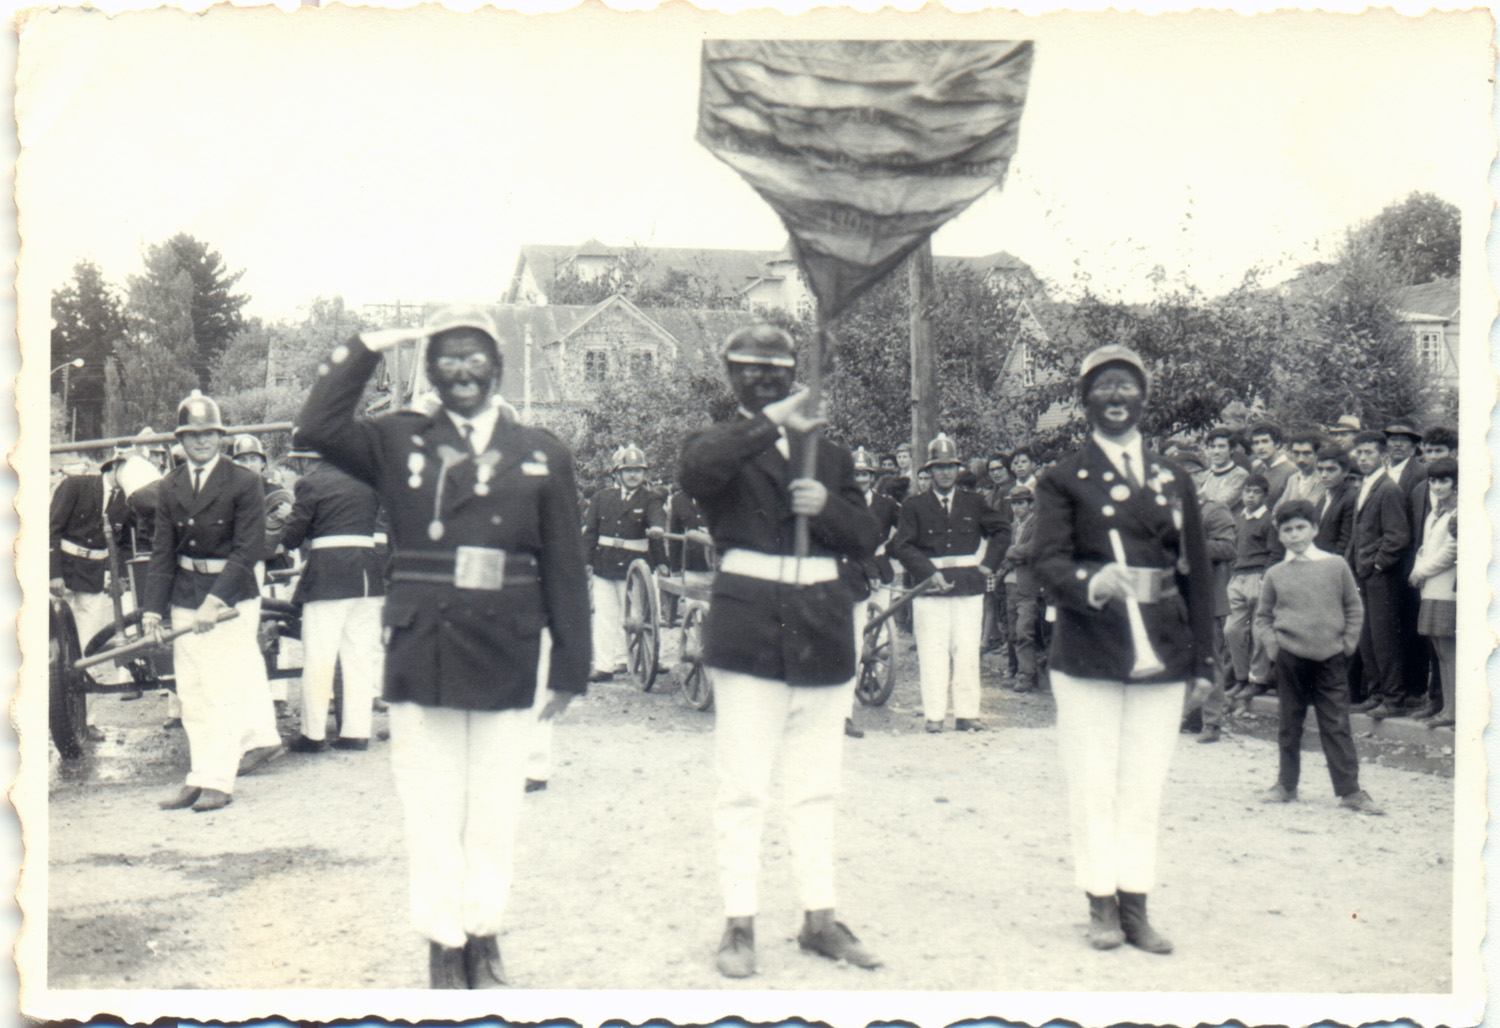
1104,922
736,956
482,962
1138,931
445,966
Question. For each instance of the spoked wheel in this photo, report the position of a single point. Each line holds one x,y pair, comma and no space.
877,664
67,692
696,687
642,618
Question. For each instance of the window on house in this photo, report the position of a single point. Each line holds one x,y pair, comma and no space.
642,363
1028,367
595,365
1430,347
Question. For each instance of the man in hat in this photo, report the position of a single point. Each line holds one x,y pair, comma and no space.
624,522
779,634
209,535
341,592
1121,554
952,535
88,515
485,532
1409,473
1342,432
1021,592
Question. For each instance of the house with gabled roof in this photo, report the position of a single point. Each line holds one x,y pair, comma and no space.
1430,311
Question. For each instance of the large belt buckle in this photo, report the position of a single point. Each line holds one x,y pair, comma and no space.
1146,584
478,567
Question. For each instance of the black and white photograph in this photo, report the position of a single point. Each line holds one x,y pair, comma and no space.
686,516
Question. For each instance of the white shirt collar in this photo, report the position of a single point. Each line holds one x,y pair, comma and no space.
1396,469
1313,553
208,469
483,425
1116,451
1257,512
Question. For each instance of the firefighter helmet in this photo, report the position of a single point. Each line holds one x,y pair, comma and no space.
865,461
246,445
1112,354
629,456
941,450
198,413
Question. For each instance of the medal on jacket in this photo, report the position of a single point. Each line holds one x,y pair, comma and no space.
450,458
484,470
415,462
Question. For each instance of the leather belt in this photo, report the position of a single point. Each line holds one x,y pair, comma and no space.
959,560
776,567
333,542
467,567
633,545
68,546
204,565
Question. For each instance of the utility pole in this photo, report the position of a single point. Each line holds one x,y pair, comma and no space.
923,359
73,432
526,377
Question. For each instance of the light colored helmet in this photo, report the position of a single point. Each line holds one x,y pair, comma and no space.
462,315
760,344
198,413
865,461
1112,354
629,456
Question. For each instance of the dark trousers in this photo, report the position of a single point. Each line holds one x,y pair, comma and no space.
1301,683
1022,616
1380,650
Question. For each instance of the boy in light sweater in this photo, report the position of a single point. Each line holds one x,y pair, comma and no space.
1308,619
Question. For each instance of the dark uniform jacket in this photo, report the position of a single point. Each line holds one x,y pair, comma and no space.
924,531
684,516
467,648
77,515
331,503
622,517
225,520
885,511
1382,534
1078,502
801,635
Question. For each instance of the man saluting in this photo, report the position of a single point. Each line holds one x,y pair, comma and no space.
779,635
484,525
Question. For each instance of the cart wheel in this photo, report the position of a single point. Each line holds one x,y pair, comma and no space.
642,623
696,687
877,664
67,695
148,670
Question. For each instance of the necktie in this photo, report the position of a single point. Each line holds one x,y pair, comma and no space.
197,480
782,446
1130,469
466,429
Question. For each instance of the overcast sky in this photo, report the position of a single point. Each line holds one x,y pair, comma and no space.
388,155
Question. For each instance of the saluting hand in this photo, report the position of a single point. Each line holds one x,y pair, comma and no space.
378,340
809,497
790,412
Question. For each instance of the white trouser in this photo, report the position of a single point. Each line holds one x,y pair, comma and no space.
1116,741
91,613
226,698
754,717
460,775
340,632
947,630
609,623
539,754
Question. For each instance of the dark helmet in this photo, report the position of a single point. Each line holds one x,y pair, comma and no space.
198,413
247,444
760,344
941,450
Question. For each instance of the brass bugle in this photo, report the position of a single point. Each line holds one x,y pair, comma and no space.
1147,663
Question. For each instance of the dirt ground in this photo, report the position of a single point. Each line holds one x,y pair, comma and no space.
953,865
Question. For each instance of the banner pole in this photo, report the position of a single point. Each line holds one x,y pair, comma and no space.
810,448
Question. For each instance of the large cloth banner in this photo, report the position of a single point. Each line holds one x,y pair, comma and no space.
863,147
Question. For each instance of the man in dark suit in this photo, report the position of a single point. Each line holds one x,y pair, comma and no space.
879,572
624,522
484,527
953,535
1121,554
1378,546
779,634
1409,472
88,514
341,592
209,536
1335,509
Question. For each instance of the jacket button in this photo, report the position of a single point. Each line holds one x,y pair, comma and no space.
190,521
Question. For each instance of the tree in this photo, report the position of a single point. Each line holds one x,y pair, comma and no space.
1419,238
156,355
213,310
88,321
